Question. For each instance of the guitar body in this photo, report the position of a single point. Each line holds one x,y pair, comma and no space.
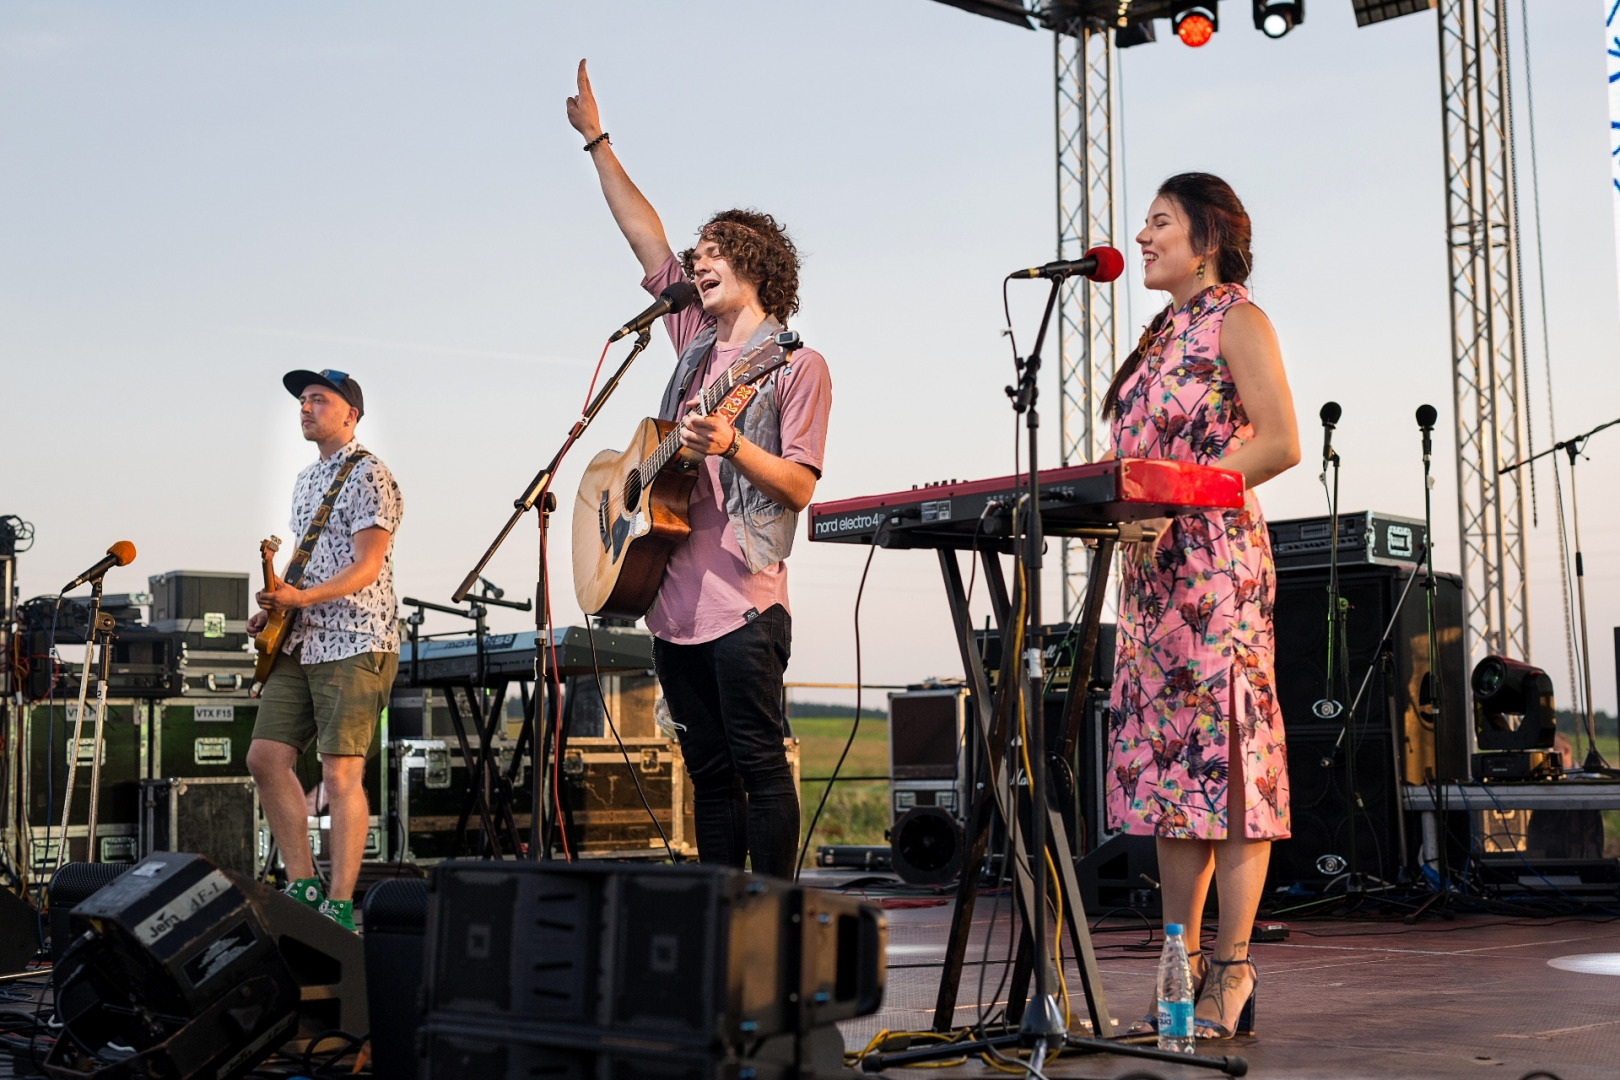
269,640
623,534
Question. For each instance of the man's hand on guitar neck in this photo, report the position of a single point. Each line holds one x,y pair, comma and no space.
786,483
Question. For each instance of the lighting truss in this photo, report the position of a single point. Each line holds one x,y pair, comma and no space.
1083,60
1483,264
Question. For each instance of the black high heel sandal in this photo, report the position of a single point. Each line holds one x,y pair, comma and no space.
1149,1024
1217,1029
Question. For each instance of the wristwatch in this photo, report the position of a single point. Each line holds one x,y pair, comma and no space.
736,444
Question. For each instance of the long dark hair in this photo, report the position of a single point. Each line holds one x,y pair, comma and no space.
1217,226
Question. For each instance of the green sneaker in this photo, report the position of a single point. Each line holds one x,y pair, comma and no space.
340,912
306,891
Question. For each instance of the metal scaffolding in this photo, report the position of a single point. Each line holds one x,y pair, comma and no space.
1083,67
1481,242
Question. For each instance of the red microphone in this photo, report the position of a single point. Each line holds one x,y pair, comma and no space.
120,554
1101,263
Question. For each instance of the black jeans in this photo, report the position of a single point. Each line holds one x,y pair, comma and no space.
728,695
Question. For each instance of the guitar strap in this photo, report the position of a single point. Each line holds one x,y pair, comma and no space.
317,524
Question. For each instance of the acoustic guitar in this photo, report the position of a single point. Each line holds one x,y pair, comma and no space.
632,507
269,640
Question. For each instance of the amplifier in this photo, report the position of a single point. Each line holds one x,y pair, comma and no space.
144,664
1058,649
206,595
1365,538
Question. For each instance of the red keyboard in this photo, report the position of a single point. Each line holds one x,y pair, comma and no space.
959,515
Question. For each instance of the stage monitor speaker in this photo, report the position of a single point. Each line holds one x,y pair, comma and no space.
173,972
696,959
201,972
396,923
1121,875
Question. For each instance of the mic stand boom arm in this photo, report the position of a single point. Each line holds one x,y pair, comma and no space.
539,491
542,479
1594,763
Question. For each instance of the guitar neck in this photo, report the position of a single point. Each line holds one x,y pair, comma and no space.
708,401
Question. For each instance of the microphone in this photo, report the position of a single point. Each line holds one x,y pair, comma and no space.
120,554
1426,416
671,300
1099,264
1330,418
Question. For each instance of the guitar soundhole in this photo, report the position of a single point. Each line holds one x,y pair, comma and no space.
632,492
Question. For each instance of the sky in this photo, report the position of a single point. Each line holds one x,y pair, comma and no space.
200,197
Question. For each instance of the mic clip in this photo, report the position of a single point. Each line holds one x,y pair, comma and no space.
1326,709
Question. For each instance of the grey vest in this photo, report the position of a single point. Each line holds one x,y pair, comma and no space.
764,529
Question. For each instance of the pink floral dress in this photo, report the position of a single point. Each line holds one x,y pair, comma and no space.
1194,670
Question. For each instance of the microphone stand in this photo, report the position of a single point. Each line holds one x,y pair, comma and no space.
1337,676
97,649
1042,1027
539,491
1441,900
1594,765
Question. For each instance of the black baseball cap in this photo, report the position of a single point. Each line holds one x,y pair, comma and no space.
341,381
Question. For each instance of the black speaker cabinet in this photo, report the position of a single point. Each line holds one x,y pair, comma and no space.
1434,746
396,923
1345,791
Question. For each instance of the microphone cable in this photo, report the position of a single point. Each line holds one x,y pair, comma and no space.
832,779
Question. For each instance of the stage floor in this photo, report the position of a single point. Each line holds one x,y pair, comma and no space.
1472,997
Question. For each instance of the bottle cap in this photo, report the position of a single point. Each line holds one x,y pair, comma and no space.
1172,928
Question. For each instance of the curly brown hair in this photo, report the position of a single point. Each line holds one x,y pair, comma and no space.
760,252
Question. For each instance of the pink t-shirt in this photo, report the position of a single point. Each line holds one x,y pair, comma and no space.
707,591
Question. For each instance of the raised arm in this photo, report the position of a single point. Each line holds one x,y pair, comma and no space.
634,214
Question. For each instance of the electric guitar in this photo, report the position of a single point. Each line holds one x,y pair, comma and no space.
269,640
632,506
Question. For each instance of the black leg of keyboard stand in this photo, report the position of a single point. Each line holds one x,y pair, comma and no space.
474,778
497,790
1073,914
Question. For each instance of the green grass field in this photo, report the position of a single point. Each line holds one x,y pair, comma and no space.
857,812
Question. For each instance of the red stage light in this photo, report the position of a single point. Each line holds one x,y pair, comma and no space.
1195,29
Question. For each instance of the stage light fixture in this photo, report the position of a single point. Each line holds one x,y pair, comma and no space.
1377,11
1137,33
1513,705
1274,18
1195,24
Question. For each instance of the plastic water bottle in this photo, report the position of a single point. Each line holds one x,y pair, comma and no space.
1175,994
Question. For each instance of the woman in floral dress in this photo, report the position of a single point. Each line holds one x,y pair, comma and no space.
1196,740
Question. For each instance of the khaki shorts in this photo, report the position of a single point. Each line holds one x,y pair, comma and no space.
338,701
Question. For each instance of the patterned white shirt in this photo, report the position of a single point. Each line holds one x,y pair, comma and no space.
364,621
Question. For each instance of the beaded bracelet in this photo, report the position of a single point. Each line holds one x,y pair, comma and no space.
592,145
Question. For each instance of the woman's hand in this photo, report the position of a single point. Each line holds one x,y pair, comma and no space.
582,111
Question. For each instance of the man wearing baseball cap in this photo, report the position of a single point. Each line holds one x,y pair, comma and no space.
332,678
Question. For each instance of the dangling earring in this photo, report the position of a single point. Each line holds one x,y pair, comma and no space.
1200,270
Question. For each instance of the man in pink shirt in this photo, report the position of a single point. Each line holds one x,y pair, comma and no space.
720,621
